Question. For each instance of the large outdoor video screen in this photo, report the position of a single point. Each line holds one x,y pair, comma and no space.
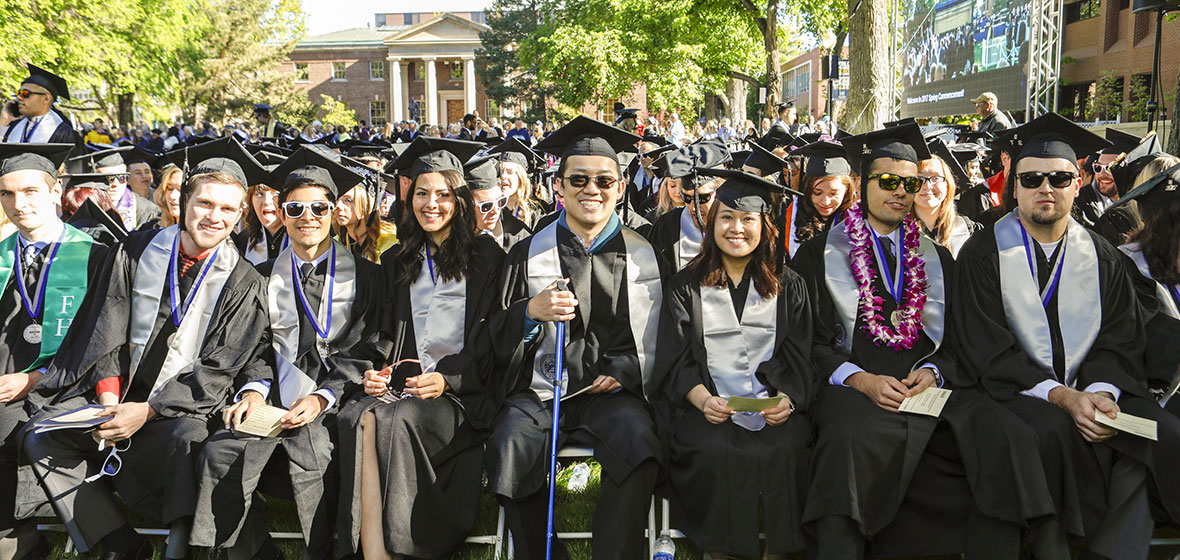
957,49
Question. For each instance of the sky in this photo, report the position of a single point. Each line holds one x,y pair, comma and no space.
325,16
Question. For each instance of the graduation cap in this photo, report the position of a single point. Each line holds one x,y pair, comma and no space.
482,173
824,159
48,80
224,155
746,192
585,136
738,159
784,105
967,152
1122,142
946,134
689,159
357,148
268,159
974,136
103,157
310,167
256,149
106,222
1125,169
1050,136
514,151
776,137
96,181
427,155
938,147
15,156
140,155
1154,192
650,135
193,140
764,160
899,122
392,152
625,114
618,107
904,142
262,108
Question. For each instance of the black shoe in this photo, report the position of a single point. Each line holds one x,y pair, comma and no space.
144,552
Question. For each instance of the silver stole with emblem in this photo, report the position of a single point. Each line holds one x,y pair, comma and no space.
440,314
1021,292
148,288
688,245
735,348
644,297
845,291
284,308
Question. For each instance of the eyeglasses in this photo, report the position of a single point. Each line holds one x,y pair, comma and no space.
934,180
1100,167
890,182
1057,179
27,93
486,207
113,463
580,181
701,198
295,209
120,178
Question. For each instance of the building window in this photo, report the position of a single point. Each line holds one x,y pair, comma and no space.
1083,10
456,70
302,74
803,82
789,84
338,72
479,17
376,70
380,20
377,113
420,70
407,19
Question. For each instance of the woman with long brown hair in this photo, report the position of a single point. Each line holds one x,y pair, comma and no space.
733,329
828,191
262,236
935,203
167,196
361,228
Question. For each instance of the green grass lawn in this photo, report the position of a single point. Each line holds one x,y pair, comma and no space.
575,510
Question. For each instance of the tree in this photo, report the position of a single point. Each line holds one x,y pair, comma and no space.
870,68
1107,101
336,112
507,80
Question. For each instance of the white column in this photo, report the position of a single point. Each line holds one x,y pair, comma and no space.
397,110
469,84
431,93
405,93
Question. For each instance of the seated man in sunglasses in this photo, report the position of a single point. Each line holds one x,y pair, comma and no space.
318,295
134,210
879,292
39,121
1050,327
677,235
611,307
176,321
1096,197
483,178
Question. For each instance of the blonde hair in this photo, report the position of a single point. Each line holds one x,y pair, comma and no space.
944,215
525,199
374,228
160,197
1161,163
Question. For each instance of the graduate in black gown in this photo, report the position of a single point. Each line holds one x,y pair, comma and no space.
40,122
1056,337
1121,220
487,196
731,327
134,211
612,307
45,270
677,235
321,299
176,321
971,474
411,447
102,225
827,191
518,163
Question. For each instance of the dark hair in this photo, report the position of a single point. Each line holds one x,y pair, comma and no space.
1159,238
298,183
708,269
252,226
191,184
808,222
73,198
453,259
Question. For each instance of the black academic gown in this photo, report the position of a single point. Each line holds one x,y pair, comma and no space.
430,452
235,351
1088,206
63,134
514,230
145,211
1077,471
1117,224
20,496
273,241
721,475
297,464
889,470
642,199
664,234
974,200
104,227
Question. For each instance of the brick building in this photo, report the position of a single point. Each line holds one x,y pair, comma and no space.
410,65
803,84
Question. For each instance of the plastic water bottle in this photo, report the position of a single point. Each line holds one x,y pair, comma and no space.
580,478
665,548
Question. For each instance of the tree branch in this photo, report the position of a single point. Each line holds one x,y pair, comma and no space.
744,77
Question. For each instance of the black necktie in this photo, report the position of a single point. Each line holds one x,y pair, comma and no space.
33,261
1044,267
305,271
887,254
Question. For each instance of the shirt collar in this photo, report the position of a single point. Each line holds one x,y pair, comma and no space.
300,262
608,232
54,229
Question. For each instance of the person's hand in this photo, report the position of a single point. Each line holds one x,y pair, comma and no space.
377,382
1082,407
235,413
715,410
8,113
779,413
604,384
919,380
552,304
429,385
16,386
303,412
884,390
128,419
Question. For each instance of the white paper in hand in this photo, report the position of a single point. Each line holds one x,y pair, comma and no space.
1127,423
928,402
263,421
84,418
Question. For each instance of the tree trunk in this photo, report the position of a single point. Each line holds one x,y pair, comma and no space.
735,96
774,83
711,111
1173,139
869,85
126,117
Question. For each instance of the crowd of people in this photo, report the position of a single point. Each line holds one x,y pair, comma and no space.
822,342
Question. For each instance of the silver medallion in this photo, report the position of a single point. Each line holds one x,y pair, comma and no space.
32,334
549,366
840,334
896,317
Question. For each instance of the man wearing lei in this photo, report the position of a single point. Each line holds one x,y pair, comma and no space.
880,293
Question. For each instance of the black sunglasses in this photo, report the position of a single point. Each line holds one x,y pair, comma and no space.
580,181
890,182
702,198
486,207
27,93
319,208
1057,179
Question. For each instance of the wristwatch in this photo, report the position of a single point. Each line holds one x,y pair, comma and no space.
937,377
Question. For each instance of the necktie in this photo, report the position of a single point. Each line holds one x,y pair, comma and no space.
305,271
33,262
888,255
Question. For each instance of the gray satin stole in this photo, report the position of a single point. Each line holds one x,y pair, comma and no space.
1076,295
1167,306
735,348
688,245
440,316
284,309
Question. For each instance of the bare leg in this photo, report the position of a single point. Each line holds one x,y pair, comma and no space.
372,536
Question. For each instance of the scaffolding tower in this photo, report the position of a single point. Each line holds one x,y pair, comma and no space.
1044,57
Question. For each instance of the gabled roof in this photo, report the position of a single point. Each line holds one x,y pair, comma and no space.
446,28
360,36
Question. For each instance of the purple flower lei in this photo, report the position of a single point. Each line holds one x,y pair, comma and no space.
914,282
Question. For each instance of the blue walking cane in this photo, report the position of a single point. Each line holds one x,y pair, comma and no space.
559,359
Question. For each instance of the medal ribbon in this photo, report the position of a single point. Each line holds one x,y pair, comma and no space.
893,286
1051,287
180,309
430,263
29,131
312,316
33,308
